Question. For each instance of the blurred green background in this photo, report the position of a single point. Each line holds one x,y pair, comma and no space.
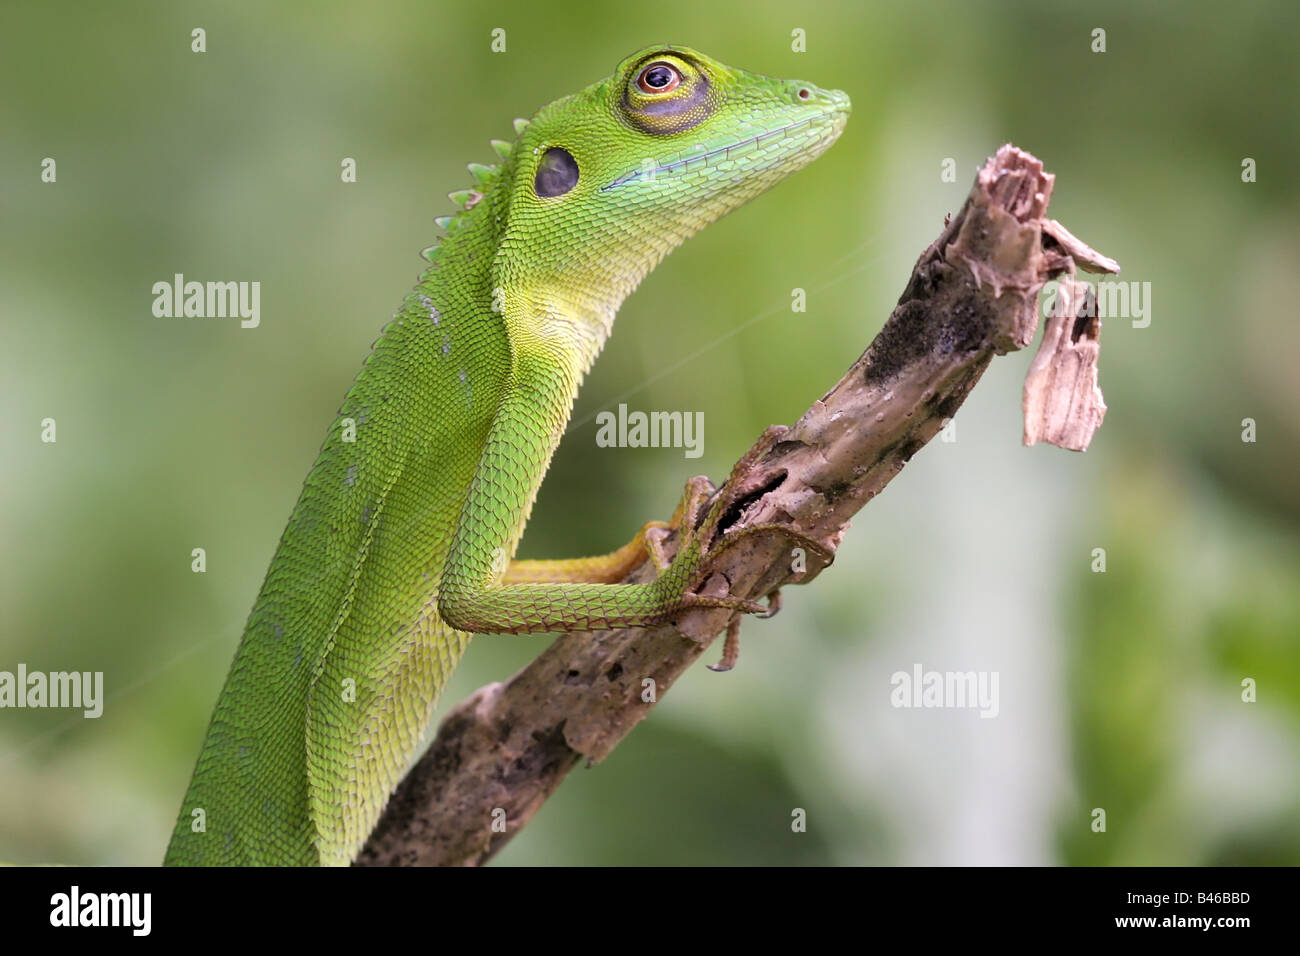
1119,690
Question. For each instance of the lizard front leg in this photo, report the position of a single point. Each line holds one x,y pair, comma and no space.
478,594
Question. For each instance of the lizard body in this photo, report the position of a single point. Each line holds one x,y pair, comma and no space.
400,544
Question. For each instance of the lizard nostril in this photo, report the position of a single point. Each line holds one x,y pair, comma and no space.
804,93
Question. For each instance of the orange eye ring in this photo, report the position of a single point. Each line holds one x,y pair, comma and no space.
658,77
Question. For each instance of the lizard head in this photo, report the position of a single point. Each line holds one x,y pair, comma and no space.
616,176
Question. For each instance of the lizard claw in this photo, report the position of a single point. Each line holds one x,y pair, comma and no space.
744,605
731,644
730,648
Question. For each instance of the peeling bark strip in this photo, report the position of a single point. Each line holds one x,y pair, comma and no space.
1062,402
973,294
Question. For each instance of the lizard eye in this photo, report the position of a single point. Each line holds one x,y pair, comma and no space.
666,93
658,77
557,173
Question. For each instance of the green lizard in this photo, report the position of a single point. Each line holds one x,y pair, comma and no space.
400,544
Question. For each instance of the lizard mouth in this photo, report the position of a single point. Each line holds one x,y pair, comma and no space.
805,138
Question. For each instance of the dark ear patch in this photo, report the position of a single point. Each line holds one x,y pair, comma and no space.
556,174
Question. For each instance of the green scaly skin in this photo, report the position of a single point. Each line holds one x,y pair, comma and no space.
395,550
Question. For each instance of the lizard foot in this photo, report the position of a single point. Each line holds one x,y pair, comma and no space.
704,533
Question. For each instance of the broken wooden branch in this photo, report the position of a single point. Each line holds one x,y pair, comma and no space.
973,294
